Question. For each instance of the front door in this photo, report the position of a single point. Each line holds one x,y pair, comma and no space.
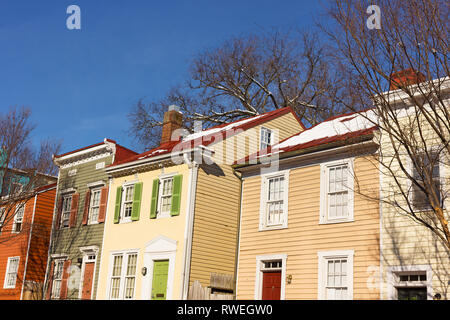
86,291
159,283
271,286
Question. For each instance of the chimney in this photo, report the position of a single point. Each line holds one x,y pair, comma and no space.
173,120
405,78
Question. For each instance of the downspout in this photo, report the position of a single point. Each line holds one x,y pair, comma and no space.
238,242
28,247
192,189
381,231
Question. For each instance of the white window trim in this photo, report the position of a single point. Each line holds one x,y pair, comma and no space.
442,178
323,256
124,219
91,199
62,259
392,276
159,213
263,195
87,251
67,195
160,248
259,273
323,218
18,207
125,254
5,286
260,137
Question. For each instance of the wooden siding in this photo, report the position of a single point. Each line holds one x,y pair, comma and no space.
69,240
305,237
217,203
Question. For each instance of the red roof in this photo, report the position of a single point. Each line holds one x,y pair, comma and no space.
208,136
329,131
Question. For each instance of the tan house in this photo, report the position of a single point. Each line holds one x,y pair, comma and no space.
172,214
307,231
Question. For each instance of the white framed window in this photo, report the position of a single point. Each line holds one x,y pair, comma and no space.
2,217
270,263
65,210
18,218
12,269
419,198
336,191
266,137
274,200
123,276
57,278
165,196
127,202
94,205
335,275
410,282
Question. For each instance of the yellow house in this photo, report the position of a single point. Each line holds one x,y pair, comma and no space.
307,231
414,263
172,215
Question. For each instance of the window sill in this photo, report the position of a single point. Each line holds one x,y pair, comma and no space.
336,221
268,228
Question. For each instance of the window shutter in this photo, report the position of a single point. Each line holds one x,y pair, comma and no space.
65,277
58,212
135,210
48,294
176,195
74,210
154,204
87,201
103,203
118,203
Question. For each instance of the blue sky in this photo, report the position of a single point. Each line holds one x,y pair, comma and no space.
80,84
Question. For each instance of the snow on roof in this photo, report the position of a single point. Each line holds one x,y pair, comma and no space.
331,130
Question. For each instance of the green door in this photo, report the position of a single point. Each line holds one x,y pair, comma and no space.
159,283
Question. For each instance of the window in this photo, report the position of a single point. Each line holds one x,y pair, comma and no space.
57,278
336,275
94,206
65,212
127,202
11,273
123,276
18,218
99,165
165,196
265,138
274,201
2,217
336,192
16,188
419,198
410,282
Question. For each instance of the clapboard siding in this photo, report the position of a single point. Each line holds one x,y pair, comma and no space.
217,203
69,240
305,237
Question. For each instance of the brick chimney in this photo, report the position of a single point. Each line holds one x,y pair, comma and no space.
405,78
173,120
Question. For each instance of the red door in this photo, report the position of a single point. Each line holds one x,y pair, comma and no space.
86,292
271,286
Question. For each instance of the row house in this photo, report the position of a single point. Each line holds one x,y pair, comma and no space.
78,222
25,226
173,212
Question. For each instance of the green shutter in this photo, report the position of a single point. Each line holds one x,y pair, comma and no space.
176,195
136,201
118,203
154,204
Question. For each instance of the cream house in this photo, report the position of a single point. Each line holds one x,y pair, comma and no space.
172,215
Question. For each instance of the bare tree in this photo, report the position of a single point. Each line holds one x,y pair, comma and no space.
23,168
246,76
411,46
